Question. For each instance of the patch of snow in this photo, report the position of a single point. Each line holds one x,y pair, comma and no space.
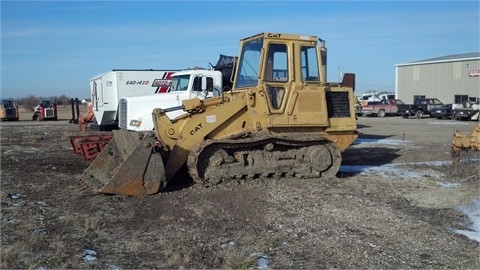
113,267
89,258
8,219
394,169
227,245
473,213
379,141
8,152
41,231
448,185
17,196
432,163
89,255
30,150
470,161
262,260
448,122
20,203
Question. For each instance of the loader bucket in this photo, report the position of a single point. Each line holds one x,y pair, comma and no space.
127,166
465,142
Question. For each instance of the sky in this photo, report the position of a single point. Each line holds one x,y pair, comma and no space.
53,48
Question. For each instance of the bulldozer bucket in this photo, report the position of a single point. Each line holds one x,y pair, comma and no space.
127,166
465,142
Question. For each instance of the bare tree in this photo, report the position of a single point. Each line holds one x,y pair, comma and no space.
30,102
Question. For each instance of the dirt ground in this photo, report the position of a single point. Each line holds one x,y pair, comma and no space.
394,204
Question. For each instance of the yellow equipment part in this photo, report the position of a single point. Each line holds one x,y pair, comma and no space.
9,111
280,119
127,166
467,142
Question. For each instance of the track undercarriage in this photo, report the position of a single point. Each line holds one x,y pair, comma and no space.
217,161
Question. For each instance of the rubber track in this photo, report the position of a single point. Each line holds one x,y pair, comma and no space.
257,143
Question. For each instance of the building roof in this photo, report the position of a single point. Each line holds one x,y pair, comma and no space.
446,58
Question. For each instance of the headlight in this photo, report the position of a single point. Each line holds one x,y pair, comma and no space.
135,123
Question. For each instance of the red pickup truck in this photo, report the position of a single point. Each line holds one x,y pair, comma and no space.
382,108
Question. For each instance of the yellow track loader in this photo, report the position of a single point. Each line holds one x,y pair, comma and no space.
9,110
281,118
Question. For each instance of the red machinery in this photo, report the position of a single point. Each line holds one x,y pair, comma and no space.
46,110
89,146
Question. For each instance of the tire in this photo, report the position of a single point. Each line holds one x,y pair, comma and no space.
405,116
439,117
419,114
381,113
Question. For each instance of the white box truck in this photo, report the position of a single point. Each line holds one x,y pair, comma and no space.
107,88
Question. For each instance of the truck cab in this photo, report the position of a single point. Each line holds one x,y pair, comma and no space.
135,113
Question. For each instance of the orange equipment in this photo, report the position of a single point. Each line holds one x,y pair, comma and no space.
83,120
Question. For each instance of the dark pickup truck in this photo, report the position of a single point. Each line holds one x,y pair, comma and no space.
420,107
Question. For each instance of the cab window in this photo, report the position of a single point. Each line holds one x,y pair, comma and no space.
276,71
309,63
277,63
247,74
197,83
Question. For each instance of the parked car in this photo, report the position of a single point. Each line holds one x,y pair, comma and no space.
443,112
469,110
420,107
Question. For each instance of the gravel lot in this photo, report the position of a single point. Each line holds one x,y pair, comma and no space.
394,204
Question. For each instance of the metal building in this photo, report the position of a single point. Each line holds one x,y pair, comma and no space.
451,78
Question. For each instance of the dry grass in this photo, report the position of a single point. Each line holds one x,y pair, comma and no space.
359,221
63,112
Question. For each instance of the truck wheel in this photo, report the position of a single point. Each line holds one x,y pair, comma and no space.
405,115
381,113
419,115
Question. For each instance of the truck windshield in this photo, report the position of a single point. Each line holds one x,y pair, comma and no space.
247,75
180,83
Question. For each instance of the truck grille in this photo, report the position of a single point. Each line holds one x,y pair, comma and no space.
10,113
122,114
49,112
338,104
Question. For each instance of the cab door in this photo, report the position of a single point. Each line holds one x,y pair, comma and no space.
277,81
